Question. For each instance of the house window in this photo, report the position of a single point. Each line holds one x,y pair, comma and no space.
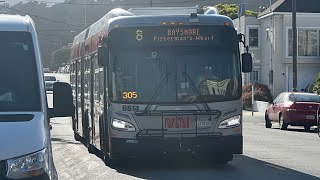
307,42
290,51
253,37
254,76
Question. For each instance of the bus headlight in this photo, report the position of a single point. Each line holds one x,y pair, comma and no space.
122,125
230,123
28,166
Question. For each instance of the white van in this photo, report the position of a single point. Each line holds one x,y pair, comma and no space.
25,146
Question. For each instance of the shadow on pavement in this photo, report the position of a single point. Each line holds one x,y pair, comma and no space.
302,130
59,140
298,129
241,168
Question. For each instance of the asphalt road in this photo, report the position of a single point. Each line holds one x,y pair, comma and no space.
268,154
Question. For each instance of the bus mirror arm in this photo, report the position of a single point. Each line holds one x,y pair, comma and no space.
242,39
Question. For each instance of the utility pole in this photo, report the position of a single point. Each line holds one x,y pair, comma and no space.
294,45
85,13
4,6
150,3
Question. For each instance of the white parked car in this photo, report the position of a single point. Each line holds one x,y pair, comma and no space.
49,81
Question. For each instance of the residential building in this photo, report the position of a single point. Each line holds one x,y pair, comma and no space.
269,37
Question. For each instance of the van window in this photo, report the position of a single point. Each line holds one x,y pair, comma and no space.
19,85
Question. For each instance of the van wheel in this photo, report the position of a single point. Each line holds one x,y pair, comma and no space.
267,121
282,124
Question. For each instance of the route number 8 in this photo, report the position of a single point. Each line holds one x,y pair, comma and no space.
139,35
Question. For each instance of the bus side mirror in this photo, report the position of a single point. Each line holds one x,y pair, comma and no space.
62,101
246,62
103,56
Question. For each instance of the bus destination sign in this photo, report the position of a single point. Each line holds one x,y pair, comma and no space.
171,36
180,34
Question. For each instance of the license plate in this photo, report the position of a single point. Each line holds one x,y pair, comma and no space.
310,117
177,122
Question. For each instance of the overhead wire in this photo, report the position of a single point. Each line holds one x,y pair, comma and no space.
52,20
115,3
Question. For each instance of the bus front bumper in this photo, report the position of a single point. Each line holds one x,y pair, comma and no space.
142,147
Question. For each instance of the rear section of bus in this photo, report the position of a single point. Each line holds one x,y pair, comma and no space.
25,147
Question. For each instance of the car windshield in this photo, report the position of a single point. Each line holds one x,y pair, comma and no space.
304,98
49,78
20,92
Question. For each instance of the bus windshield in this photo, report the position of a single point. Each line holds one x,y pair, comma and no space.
182,74
185,64
19,87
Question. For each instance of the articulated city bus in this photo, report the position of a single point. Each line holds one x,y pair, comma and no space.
159,84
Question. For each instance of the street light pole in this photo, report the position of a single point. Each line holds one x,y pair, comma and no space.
4,4
294,45
85,13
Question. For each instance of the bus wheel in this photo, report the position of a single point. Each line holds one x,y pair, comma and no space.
90,149
111,161
222,159
87,133
76,136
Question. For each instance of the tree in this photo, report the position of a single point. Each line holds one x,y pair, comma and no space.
59,57
231,10
316,87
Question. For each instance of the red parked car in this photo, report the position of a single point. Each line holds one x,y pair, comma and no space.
293,108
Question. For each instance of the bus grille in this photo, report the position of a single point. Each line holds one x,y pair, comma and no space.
3,169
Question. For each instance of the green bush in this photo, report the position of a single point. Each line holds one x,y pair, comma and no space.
261,93
316,87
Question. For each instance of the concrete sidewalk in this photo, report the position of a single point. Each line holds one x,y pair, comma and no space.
256,114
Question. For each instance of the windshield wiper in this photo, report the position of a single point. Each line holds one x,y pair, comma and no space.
196,90
156,93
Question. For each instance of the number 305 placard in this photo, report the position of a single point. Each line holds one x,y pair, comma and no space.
129,95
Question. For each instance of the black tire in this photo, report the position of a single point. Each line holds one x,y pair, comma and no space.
91,149
87,134
76,136
222,159
307,127
318,127
102,135
110,160
282,124
267,121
